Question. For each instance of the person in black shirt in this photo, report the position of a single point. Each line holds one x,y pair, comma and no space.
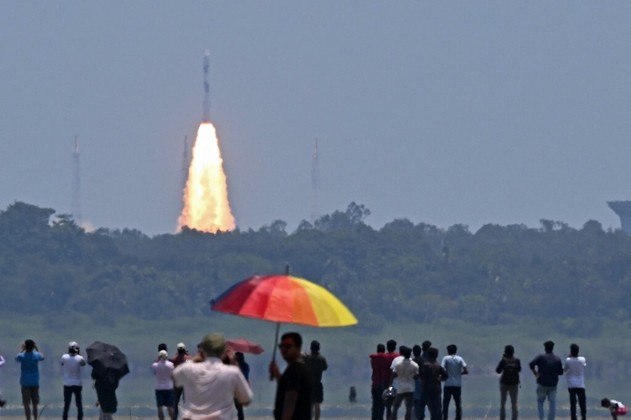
547,368
105,384
509,367
431,374
316,363
293,395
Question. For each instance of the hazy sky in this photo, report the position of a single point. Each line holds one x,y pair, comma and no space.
444,112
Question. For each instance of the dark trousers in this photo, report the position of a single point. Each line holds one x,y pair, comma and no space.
378,406
580,393
511,391
68,391
239,408
407,398
432,402
448,392
177,395
418,408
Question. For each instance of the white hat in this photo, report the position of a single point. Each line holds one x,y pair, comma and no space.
73,344
181,346
162,354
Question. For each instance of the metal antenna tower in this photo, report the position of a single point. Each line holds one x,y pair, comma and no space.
76,183
206,110
185,162
315,183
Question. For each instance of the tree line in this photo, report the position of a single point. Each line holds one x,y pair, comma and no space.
402,271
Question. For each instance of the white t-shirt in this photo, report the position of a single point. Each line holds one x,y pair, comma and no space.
210,388
574,368
71,369
394,363
406,370
454,365
163,369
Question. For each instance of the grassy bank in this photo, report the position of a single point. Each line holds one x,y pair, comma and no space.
346,349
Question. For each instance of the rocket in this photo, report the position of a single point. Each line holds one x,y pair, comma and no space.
206,111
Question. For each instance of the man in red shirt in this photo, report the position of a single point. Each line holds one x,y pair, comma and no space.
180,357
381,372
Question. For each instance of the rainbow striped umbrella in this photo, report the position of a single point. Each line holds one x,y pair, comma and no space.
284,298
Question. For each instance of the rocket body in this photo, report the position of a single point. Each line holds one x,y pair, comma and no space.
206,110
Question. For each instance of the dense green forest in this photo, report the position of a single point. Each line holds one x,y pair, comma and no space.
554,274
482,290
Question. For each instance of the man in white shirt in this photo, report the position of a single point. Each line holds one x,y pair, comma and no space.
455,367
393,380
71,364
405,372
574,368
210,386
162,369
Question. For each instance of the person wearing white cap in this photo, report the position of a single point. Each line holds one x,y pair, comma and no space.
71,364
162,369
180,357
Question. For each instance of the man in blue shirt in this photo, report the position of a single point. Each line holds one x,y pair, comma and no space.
455,367
547,368
29,376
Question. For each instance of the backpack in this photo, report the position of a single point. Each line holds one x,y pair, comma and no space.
621,410
510,375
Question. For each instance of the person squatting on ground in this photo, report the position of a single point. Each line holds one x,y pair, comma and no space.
455,367
432,374
316,363
210,386
574,368
162,369
28,358
547,368
180,357
616,408
405,371
2,400
71,364
293,394
510,367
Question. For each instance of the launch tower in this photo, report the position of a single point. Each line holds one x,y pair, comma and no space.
623,210
76,183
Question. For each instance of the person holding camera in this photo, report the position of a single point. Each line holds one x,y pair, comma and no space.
29,357
71,364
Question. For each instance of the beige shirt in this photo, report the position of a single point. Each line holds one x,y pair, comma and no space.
211,388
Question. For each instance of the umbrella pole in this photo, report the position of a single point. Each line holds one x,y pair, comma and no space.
278,325
271,377
275,346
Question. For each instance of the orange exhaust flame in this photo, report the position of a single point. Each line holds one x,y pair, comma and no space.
206,206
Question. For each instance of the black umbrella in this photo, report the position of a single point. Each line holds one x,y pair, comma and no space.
107,357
